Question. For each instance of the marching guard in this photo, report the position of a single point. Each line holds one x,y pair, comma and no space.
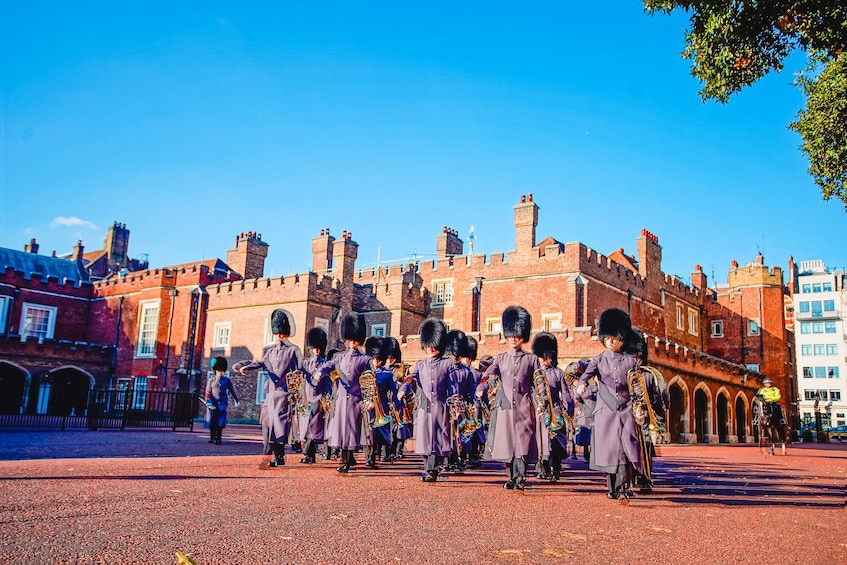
279,361
511,434
316,387
615,446
433,376
555,408
345,428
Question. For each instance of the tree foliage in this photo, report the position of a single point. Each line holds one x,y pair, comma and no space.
734,43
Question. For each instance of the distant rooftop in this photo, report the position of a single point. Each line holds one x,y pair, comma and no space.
46,266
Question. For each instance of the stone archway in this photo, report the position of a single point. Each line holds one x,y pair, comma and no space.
702,430
69,392
722,409
13,383
676,414
741,419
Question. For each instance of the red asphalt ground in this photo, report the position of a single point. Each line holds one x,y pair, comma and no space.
141,496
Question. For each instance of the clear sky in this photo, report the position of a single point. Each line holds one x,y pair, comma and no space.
191,122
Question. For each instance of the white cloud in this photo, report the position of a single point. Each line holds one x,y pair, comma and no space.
73,221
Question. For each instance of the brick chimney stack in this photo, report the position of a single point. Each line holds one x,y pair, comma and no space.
31,247
322,252
247,260
116,245
649,255
344,253
78,253
526,220
698,278
448,244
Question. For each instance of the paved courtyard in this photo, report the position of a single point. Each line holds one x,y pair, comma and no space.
141,496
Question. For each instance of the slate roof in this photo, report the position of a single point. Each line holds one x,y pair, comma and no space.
47,266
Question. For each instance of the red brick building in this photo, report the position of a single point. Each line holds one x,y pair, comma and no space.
712,343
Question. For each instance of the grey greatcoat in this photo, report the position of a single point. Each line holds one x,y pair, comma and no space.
345,427
278,361
315,385
434,377
511,433
614,441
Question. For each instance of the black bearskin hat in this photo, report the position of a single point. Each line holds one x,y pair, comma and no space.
375,347
614,322
316,339
219,364
392,349
516,322
576,368
433,334
636,345
456,344
353,327
545,345
280,323
472,347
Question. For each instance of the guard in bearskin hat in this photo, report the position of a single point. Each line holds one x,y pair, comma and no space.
456,349
511,433
433,376
345,428
553,429
477,440
280,360
615,446
218,390
316,388
401,430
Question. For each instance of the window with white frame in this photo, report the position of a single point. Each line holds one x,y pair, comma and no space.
806,288
492,325
753,327
680,317
805,350
827,287
832,372
147,327
139,393
832,349
829,305
807,373
693,322
717,328
829,327
816,287
443,291
378,330
835,395
5,303
820,372
551,322
818,349
805,327
39,321
222,333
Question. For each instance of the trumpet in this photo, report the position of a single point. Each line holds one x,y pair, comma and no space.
553,419
327,405
371,400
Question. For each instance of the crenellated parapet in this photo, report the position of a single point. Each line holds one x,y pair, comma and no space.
45,283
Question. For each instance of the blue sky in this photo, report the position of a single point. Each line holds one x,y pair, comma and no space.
193,122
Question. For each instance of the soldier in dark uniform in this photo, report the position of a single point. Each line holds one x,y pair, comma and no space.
312,422
400,429
615,446
462,388
551,428
583,408
477,440
278,361
218,390
511,435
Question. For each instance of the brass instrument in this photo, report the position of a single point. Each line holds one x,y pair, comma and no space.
457,406
392,410
371,400
642,407
334,375
493,388
294,381
410,401
552,415
470,423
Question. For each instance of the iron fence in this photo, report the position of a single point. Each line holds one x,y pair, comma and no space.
120,409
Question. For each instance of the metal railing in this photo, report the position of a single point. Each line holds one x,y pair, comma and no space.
120,409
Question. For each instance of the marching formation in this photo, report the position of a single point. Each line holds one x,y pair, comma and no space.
518,407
